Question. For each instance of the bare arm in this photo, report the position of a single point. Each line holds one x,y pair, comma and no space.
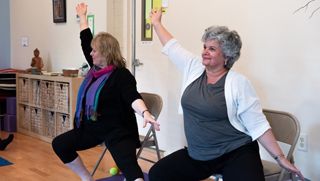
84,35
41,63
269,142
82,13
163,34
140,108
175,52
33,62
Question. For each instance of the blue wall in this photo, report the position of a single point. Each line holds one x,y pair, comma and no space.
5,34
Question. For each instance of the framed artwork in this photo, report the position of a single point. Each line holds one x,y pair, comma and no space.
146,33
59,11
147,6
90,19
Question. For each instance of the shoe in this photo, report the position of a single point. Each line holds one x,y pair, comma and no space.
4,143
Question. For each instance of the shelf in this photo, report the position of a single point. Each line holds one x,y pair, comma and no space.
46,104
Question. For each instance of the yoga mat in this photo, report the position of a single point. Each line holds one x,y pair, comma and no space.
120,178
4,162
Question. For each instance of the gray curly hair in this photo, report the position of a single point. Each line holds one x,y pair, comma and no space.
229,42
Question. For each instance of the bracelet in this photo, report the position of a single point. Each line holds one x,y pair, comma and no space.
277,157
142,113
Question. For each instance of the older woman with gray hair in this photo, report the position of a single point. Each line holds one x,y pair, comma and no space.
223,118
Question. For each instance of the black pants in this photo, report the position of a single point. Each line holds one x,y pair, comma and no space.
244,163
123,152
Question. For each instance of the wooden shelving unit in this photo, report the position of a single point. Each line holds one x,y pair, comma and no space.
46,104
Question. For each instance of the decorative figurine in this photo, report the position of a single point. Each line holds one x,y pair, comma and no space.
37,60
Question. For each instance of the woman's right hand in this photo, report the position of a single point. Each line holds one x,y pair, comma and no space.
148,118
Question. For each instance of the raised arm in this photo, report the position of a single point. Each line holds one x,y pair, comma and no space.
85,33
82,13
163,34
269,142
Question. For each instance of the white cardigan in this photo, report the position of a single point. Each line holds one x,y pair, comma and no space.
243,106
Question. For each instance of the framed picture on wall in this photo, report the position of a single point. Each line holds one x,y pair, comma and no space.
90,19
146,33
59,11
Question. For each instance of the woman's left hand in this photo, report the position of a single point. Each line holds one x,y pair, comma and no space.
284,163
81,9
148,118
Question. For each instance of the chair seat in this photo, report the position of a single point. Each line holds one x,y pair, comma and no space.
270,168
272,171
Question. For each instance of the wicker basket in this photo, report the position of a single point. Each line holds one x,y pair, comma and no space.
62,97
63,123
49,124
36,121
24,117
47,94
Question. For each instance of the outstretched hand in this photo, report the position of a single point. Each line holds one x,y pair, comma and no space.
284,163
81,9
148,118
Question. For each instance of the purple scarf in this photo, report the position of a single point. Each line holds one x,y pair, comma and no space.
92,93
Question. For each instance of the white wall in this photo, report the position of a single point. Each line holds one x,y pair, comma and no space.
279,55
59,44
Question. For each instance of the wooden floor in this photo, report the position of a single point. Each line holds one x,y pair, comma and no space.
34,160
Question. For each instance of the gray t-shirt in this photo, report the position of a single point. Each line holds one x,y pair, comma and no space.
208,130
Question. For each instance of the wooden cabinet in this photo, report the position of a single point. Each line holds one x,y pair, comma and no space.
46,104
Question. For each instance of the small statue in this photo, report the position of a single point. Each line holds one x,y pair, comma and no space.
36,61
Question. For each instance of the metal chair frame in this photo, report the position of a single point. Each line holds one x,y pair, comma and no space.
286,129
154,104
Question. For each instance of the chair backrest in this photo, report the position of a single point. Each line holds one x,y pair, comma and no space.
286,129
153,102
154,105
